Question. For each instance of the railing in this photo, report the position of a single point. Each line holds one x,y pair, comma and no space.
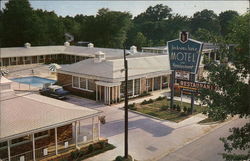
27,156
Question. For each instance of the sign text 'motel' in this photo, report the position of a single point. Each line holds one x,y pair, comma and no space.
184,53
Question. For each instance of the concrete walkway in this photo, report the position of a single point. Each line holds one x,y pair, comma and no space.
149,139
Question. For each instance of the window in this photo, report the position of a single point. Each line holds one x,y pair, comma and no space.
130,87
21,140
91,84
75,82
137,86
157,83
164,82
83,83
41,134
3,144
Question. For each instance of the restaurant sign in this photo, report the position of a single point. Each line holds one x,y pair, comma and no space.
184,53
196,85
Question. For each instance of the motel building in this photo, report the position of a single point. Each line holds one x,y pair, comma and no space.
98,73
102,79
34,127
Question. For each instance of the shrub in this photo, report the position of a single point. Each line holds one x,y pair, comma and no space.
103,144
150,101
132,106
189,110
119,158
144,102
178,108
91,148
147,102
164,108
75,154
185,109
174,107
160,98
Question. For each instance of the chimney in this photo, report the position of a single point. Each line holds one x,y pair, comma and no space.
90,45
133,49
99,57
66,43
27,45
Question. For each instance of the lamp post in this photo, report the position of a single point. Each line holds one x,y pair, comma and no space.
126,105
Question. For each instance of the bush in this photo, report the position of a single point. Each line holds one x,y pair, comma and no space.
178,108
160,98
174,107
132,106
147,102
164,108
119,158
144,102
189,110
150,101
102,144
91,148
185,109
75,154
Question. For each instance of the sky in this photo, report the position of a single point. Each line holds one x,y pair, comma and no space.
184,8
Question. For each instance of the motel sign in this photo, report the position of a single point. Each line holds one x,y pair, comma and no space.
184,53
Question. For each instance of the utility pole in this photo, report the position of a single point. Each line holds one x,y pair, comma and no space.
126,105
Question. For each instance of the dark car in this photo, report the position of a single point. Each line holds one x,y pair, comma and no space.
54,91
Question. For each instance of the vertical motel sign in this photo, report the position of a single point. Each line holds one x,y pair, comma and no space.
184,53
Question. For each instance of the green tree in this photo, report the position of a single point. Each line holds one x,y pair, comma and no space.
206,19
233,95
139,40
225,19
107,28
16,23
157,13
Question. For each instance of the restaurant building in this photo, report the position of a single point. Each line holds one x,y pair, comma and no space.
102,78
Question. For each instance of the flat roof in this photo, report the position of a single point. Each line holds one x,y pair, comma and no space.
25,114
112,70
49,50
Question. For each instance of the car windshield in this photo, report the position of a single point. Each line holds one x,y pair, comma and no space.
59,90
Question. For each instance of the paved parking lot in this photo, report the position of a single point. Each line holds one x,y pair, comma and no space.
149,139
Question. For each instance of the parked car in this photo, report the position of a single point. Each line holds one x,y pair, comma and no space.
54,91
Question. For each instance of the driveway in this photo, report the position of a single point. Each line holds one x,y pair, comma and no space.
149,139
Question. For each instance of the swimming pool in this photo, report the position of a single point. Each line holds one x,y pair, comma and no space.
33,81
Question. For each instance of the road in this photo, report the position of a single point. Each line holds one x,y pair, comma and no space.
205,148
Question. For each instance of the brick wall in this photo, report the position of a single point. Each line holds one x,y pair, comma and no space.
63,133
64,79
143,85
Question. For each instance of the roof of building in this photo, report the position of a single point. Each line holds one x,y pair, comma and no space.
24,114
48,50
112,70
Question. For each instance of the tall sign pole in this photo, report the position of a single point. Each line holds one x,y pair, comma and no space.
126,105
184,56
172,88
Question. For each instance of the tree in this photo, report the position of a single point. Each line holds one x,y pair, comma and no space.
139,40
107,28
233,95
225,19
206,19
156,13
16,23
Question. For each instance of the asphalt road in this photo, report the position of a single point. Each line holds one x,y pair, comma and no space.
205,148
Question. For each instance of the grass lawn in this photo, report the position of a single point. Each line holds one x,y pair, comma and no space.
157,109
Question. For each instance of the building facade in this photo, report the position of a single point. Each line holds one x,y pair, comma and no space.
103,79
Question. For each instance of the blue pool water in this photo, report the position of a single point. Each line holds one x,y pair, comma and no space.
33,81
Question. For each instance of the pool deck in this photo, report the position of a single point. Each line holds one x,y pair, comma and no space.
26,71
